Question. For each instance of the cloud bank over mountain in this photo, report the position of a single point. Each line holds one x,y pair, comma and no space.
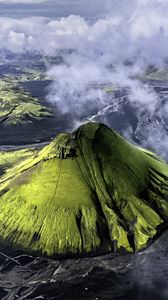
137,33
111,50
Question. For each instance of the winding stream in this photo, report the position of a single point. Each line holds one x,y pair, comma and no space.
139,276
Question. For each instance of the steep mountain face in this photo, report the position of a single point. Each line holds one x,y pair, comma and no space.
87,192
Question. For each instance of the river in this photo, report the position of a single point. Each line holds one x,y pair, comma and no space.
140,276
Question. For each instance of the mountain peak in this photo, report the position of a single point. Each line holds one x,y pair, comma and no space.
86,192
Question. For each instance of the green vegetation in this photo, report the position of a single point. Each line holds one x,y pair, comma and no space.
87,192
153,73
111,89
11,158
18,107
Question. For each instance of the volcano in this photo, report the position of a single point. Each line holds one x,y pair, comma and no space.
87,192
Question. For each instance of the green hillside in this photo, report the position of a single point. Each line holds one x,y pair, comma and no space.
18,107
87,192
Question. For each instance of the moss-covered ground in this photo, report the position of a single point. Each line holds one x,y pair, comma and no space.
18,107
87,192
153,73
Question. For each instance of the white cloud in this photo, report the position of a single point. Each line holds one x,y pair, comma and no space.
133,32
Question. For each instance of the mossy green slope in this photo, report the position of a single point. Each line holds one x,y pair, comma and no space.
11,158
18,107
87,192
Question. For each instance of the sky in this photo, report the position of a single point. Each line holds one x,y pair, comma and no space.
53,8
